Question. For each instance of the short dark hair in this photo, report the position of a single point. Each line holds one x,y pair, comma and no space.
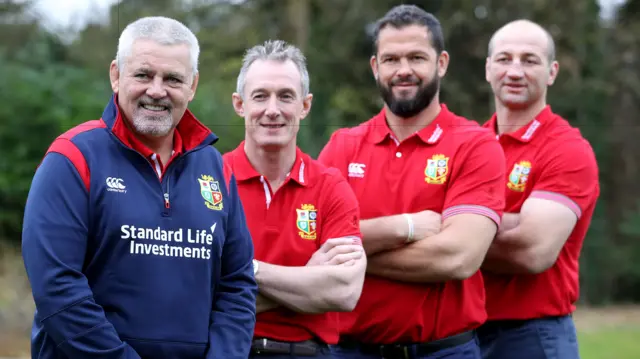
405,15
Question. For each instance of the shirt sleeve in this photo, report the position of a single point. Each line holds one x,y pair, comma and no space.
54,245
477,181
341,211
234,309
570,177
333,153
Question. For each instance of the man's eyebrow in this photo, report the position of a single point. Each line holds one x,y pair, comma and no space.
287,90
175,74
257,90
144,70
532,54
526,54
407,53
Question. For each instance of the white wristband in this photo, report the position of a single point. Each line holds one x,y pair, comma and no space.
411,229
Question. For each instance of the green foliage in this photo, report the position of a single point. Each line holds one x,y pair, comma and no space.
49,87
42,99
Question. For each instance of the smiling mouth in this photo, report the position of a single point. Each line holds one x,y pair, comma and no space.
404,85
272,126
154,108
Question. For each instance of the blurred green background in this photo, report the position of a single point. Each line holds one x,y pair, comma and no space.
54,77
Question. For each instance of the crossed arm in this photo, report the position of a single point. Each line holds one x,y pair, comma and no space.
530,242
392,232
330,282
454,253
526,242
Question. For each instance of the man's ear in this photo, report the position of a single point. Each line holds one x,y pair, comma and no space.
306,105
553,72
194,86
114,76
374,66
238,104
486,69
443,63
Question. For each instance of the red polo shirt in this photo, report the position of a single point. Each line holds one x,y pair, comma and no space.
314,204
546,159
452,166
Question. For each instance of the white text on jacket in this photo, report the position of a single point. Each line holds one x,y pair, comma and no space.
184,243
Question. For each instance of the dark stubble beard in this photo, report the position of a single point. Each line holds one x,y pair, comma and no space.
410,107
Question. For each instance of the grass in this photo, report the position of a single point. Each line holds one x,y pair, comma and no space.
621,343
603,333
609,333
16,304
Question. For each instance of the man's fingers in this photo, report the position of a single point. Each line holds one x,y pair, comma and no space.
343,249
333,242
345,257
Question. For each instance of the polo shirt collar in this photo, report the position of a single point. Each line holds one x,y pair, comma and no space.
431,134
525,133
244,170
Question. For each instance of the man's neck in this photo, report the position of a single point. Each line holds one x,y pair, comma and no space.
274,165
405,127
511,120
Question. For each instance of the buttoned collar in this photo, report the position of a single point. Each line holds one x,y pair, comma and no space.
430,134
525,133
244,170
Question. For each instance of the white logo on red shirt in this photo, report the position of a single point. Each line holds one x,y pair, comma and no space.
356,170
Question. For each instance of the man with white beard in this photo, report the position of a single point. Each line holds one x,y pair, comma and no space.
135,244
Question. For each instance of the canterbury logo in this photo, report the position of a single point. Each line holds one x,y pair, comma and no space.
115,184
356,170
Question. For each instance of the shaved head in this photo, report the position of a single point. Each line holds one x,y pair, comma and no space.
521,64
524,30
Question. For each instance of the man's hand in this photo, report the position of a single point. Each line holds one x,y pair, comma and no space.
388,233
509,222
264,304
330,282
336,251
425,224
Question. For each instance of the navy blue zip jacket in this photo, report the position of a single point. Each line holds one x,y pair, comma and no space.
127,260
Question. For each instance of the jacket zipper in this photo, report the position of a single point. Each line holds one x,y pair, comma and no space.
165,194
167,204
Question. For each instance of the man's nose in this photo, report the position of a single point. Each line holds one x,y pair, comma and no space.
156,88
405,69
272,109
515,70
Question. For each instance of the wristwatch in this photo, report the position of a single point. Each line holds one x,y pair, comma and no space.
255,267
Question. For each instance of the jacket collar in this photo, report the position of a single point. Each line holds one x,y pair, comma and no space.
190,133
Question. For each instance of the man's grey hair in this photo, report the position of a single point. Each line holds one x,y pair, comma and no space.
164,31
274,50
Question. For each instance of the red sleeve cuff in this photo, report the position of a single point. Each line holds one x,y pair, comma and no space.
559,198
473,209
